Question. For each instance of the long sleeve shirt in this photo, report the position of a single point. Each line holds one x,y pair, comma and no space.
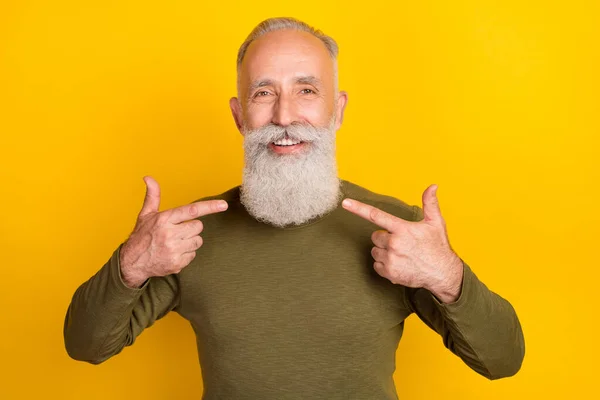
296,312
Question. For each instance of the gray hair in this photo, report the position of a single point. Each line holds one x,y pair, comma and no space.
282,23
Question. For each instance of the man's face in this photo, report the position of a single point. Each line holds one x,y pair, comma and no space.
288,113
287,77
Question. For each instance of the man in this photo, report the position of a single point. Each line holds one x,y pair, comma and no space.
292,293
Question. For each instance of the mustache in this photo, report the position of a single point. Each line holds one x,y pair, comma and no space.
296,131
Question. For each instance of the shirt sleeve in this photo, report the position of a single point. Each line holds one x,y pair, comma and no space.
105,315
480,327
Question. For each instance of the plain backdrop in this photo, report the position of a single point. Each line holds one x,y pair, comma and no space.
495,101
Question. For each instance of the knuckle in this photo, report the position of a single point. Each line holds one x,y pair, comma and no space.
374,214
199,226
193,210
175,268
386,269
394,243
187,259
164,269
390,259
199,242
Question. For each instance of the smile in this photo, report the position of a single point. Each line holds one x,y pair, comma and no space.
286,146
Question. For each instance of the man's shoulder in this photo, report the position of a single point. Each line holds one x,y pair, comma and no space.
384,202
219,223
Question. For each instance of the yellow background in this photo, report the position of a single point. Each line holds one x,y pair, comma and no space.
495,101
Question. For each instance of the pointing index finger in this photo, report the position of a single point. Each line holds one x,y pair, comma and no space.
372,214
197,209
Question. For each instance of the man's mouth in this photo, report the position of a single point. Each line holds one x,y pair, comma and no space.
286,142
286,146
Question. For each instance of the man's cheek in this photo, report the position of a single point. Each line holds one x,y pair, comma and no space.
316,114
259,115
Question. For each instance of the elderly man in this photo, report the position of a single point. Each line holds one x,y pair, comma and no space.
296,283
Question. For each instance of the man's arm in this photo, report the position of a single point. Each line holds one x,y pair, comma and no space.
480,327
105,314
476,324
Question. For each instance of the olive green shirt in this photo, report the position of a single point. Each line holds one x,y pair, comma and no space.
293,313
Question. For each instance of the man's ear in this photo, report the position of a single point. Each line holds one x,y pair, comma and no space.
236,111
340,106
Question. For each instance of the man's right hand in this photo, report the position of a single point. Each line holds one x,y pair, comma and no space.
163,242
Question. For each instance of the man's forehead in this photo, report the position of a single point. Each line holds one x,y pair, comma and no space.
286,42
295,54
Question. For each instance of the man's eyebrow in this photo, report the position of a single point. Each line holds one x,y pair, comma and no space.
303,80
259,83
309,80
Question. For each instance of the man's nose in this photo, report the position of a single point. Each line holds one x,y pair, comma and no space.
284,112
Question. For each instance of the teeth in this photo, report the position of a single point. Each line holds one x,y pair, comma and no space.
286,142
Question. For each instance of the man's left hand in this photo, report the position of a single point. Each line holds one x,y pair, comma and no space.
414,254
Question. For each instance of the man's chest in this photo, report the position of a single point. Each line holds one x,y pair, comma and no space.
294,289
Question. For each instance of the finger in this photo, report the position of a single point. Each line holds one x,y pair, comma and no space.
379,267
373,214
191,244
152,199
195,210
381,238
188,229
379,254
431,206
186,258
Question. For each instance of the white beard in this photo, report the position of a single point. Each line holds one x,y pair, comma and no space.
290,189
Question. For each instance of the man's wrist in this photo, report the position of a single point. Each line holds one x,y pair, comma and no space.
131,275
131,280
449,288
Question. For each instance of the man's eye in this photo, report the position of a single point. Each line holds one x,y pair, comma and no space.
260,94
307,91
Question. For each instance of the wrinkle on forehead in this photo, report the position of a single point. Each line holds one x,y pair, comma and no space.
284,55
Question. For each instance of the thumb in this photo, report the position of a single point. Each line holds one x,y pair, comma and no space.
431,206
152,199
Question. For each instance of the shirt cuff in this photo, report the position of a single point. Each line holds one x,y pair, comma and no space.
468,297
116,278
